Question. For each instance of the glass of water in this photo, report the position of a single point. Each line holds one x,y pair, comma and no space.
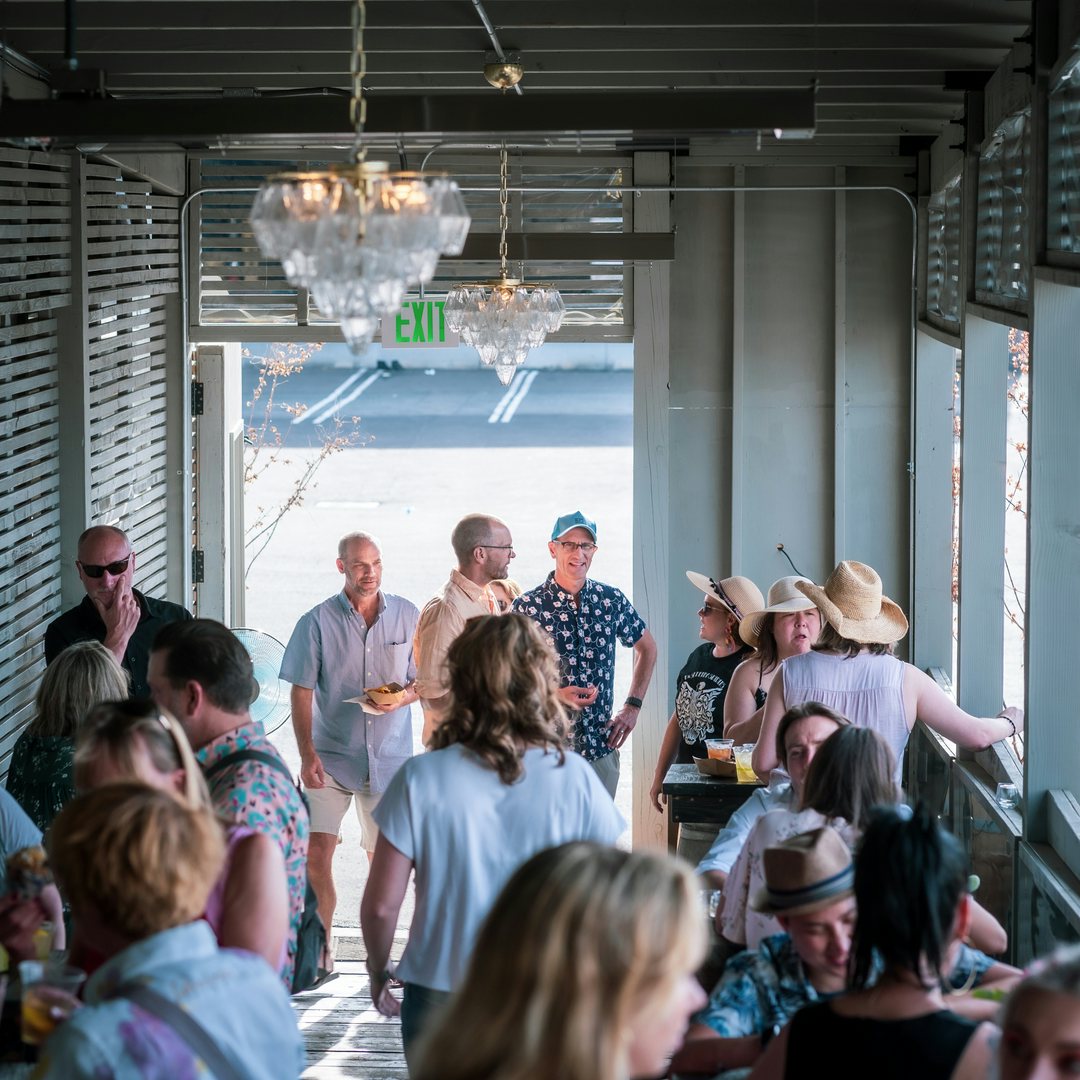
1008,798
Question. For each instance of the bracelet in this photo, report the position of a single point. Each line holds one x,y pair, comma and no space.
1002,716
634,701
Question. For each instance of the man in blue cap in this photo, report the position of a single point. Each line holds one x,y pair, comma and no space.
585,619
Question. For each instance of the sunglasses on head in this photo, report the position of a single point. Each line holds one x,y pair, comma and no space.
93,570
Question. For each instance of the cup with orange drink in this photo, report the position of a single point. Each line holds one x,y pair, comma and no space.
48,997
720,749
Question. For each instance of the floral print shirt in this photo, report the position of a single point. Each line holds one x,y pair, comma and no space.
233,995
41,775
584,635
252,793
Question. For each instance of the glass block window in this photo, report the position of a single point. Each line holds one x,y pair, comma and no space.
1063,195
943,254
1001,241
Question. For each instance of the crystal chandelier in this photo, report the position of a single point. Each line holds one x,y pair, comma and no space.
503,319
358,237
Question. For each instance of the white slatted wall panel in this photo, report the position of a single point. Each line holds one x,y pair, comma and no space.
35,280
132,263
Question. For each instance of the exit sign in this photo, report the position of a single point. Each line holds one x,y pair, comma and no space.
417,324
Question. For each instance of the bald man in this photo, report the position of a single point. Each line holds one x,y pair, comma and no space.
123,619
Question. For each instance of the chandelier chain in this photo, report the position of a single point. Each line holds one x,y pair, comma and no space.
504,178
357,70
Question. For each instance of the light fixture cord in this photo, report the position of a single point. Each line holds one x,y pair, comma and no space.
504,179
358,69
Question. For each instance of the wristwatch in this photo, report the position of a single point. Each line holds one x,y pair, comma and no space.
635,701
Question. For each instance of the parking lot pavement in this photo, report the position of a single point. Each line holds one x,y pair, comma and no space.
417,408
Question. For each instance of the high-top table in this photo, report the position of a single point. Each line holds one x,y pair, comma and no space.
702,800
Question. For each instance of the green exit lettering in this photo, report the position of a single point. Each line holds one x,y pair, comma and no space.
418,324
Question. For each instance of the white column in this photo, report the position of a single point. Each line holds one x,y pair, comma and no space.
651,462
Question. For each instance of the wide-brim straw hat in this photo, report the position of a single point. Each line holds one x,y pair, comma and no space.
851,602
783,596
739,595
805,873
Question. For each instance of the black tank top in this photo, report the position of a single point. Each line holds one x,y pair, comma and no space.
823,1043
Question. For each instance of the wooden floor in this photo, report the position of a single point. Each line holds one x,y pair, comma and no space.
343,1034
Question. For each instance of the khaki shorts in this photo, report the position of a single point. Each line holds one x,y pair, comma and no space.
330,803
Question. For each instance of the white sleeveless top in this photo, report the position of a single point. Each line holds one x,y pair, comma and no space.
867,689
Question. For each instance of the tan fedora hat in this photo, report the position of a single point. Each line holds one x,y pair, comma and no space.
851,602
783,596
805,873
738,594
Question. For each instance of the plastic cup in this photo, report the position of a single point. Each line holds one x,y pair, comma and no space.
719,749
744,769
48,996
1008,798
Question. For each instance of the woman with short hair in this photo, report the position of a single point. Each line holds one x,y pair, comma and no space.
497,786
137,865
41,775
583,970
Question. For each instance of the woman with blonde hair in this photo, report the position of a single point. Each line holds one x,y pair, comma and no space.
41,776
583,970
248,908
497,786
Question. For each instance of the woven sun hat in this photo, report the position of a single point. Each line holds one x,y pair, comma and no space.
851,602
783,596
805,873
738,594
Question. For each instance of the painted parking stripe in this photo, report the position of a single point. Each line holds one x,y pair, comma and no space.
374,377
505,400
512,408
334,394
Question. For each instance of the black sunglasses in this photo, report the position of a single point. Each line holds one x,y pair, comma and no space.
114,568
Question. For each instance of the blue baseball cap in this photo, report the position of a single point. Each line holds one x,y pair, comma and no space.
576,520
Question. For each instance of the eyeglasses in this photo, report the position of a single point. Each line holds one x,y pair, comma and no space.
93,570
498,547
573,545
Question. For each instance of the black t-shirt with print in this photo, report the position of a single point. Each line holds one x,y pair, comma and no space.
699,698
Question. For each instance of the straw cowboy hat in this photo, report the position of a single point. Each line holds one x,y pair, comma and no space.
783,596
852,604
739,595
805,873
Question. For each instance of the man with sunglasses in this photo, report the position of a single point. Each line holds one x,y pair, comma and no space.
584,619
484,547
123,619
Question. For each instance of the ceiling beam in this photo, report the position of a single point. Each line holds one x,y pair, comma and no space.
208,119
509,15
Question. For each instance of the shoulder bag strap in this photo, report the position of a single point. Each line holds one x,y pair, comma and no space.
184,1025
249,755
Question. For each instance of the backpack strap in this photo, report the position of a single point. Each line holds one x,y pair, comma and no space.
183,1024
249,755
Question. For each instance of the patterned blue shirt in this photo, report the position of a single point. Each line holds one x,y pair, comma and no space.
584,635
765,987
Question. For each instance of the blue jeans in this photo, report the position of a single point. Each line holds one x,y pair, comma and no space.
419,1007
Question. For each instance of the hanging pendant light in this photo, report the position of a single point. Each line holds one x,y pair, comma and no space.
359,237
504,318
